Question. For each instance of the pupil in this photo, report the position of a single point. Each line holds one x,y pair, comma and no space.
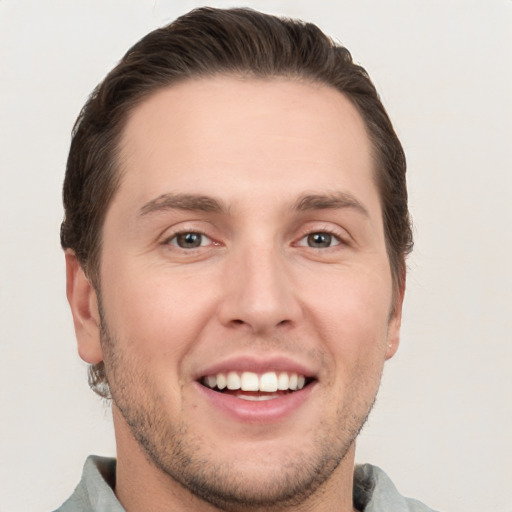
189,240
319,240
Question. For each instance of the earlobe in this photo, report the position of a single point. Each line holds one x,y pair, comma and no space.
394,325
393,337
84,308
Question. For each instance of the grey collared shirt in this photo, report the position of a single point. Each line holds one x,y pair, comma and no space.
373,490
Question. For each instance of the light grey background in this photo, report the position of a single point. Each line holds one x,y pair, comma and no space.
442,427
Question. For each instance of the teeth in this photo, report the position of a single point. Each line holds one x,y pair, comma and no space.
257,398
211,381
268,382
249,382
233,380
282,381
221,381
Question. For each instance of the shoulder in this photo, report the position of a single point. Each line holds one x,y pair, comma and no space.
375,492
95,491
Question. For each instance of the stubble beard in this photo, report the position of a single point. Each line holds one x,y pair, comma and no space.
182,456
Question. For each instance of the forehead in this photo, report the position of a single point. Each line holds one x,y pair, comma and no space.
281,133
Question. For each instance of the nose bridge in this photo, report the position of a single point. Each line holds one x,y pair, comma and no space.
260,292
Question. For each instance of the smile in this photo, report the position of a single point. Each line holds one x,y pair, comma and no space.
255,387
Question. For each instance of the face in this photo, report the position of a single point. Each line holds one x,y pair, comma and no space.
245,288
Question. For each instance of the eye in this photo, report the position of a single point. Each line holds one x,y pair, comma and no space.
189,240
320,240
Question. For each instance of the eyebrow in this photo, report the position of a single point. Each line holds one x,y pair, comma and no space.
207,204
336,200
189,202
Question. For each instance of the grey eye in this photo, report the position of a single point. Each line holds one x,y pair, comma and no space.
320,240
188,240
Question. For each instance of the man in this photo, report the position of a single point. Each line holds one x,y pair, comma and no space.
236,228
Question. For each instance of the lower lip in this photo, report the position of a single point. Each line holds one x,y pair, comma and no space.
265,411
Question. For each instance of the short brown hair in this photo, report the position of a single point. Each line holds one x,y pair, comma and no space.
207,42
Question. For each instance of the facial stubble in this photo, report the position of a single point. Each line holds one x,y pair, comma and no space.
170,446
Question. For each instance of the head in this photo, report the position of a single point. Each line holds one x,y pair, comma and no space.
216,55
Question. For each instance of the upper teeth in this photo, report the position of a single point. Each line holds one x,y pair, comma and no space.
249,381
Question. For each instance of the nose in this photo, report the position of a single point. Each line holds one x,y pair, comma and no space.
259,292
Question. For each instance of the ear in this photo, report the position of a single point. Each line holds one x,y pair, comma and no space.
395,323
84,307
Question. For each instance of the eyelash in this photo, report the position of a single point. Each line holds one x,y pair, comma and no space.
175,236
173,240
322,231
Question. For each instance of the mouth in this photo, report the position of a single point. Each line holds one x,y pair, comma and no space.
253,386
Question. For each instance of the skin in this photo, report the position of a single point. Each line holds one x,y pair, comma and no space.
257,288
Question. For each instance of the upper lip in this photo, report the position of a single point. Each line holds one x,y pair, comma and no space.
257,365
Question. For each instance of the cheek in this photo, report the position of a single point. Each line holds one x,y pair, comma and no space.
351,311
156,316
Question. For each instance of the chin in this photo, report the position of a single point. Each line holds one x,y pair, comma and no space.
252,482
249,474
